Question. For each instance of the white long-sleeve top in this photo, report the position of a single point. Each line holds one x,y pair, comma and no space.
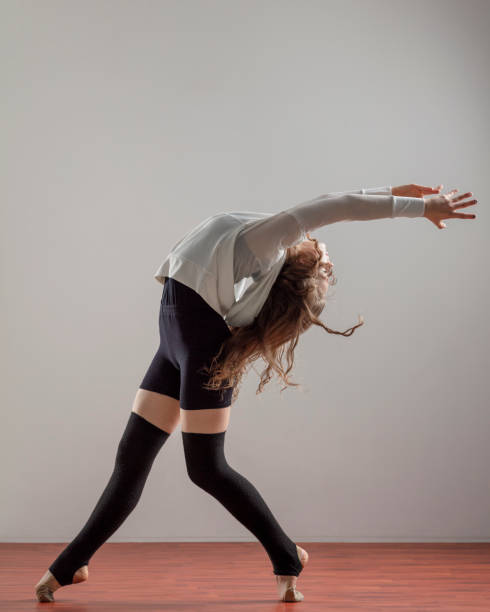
232,259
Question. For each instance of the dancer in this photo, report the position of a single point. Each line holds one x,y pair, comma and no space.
238,286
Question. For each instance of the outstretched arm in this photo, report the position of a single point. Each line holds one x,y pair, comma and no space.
350,206
266,238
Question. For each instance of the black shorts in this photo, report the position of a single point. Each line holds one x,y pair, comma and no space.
191,333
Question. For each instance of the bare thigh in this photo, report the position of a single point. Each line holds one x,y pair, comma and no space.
161,410
208,420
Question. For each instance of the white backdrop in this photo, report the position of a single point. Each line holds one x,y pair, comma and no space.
124,125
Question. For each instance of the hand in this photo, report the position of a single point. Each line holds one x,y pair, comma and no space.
414,191
443,206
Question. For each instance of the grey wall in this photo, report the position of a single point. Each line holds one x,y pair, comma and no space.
125,124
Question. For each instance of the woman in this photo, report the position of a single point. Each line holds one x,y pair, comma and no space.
239,286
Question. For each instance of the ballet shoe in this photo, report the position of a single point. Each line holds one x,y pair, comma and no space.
48,583
286,585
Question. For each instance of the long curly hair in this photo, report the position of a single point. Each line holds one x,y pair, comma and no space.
294,303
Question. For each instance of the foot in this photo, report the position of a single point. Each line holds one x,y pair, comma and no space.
48,583
286,585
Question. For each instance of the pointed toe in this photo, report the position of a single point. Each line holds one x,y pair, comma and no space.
44,593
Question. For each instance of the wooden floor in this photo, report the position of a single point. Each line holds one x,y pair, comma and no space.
228,577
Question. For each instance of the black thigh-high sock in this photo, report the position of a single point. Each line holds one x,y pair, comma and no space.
136,452
208,469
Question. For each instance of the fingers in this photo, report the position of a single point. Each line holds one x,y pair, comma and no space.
455,215
464,204
462,216
441,225
462,197
456,202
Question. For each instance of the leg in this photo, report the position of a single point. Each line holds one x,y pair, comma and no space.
136,452
195,337
203,434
